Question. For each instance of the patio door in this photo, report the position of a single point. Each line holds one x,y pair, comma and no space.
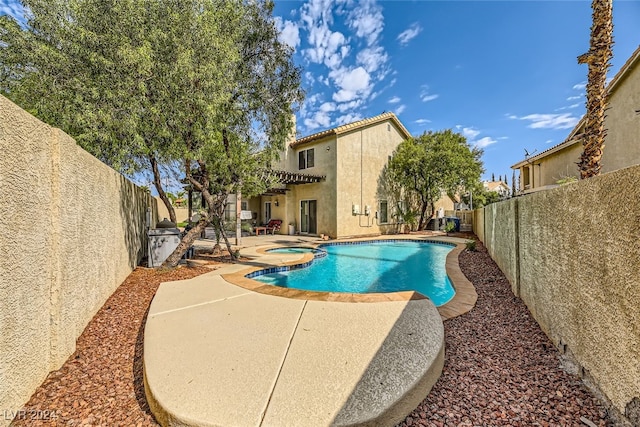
308,218
267,212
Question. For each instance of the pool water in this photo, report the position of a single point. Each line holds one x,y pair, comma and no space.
389,266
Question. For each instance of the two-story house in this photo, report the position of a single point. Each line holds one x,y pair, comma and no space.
622,122
331,181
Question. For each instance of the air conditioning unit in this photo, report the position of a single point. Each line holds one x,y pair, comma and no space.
355,209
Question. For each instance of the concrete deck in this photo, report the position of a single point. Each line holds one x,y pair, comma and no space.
217,354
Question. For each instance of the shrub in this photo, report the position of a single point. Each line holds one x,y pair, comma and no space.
471,245
450,227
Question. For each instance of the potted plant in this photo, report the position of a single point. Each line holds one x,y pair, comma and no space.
409,219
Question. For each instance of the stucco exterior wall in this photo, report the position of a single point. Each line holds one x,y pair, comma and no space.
323,192
362,155
74,229
182,214
577,249
623,124
557,166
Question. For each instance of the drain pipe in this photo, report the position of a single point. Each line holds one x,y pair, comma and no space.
362,188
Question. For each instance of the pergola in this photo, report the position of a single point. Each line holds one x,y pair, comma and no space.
281,176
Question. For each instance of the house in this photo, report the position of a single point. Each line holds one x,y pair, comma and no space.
622,122
499,187
330,181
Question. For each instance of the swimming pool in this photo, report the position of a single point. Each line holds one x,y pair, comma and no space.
369,267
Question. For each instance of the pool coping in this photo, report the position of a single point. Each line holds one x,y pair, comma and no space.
462,302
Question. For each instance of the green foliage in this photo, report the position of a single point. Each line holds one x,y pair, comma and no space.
140,84
471,245
450,227
422,169
483,197
567,179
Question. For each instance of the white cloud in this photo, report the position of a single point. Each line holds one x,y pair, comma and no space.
341,40
422,121
548,141
349,118
580,86
328,107
319,119
549,121
484,142
409,34
573,98
399,109
351,83
289,32
568,107
470,133
425,96
13,9
372,59
394,100
349,105
367,21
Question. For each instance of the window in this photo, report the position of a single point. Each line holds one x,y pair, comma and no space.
383,212
305,159
244,205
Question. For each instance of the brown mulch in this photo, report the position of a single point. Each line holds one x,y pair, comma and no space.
101,383
500,368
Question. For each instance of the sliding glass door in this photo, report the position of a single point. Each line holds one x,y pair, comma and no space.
308,218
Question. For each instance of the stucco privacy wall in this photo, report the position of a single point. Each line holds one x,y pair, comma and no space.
182,214
73,230
501,226
577,249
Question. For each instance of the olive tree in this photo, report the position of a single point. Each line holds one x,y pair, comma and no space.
430,165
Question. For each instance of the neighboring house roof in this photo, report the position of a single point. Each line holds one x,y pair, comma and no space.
353,126
576,134
494,185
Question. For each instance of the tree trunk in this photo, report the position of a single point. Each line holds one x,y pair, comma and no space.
186,242
163,196
232,254
423,211
597,59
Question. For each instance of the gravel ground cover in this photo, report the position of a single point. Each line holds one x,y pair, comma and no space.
101,383
500,368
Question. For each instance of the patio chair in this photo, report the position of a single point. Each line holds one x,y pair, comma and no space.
274,225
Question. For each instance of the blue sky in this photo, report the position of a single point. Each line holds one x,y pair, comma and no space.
503,73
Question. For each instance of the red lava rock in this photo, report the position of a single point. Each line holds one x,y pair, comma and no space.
101,383
500,368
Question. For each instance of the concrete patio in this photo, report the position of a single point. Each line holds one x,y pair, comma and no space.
222,355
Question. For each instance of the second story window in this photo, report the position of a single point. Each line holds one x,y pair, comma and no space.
305,159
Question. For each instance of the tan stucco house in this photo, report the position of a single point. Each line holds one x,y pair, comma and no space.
499,187
621,143
330,181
